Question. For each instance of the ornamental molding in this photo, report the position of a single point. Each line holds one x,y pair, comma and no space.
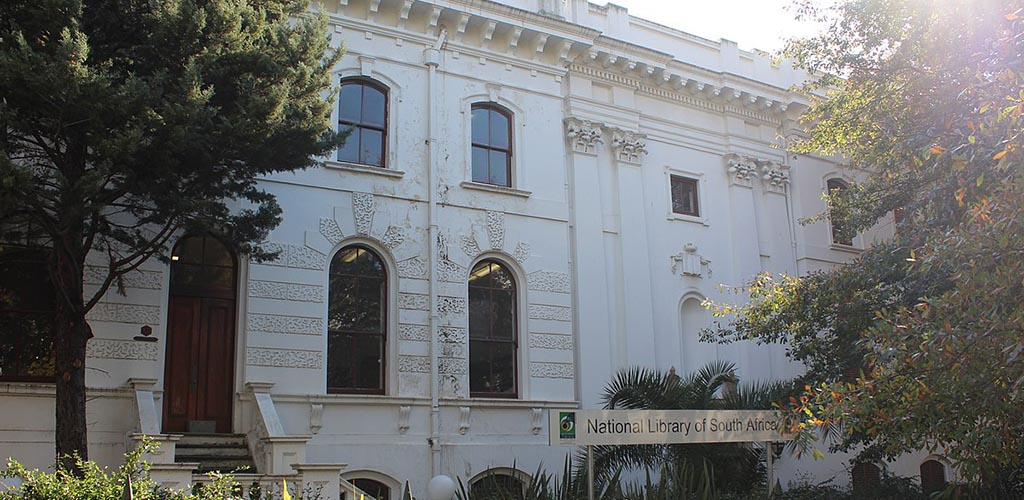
775,176
363,208
413,364
496,229
689,263
413,268
522,252
278,323
452,366
124,313
550,341
469,246
292,292
744,169
415,333
628,146
283,358
447,305
148,280
331,231
393,237
548,281
584,135
295,256
551,370
121,349
454,334
553,313
414,301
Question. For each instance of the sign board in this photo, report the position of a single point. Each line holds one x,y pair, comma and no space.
624,427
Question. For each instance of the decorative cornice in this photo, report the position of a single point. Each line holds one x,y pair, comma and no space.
629,146
584,135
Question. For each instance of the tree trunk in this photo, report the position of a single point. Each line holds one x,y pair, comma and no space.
70,334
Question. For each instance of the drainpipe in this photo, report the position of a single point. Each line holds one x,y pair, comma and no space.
432,59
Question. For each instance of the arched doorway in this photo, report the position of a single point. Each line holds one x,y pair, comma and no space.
200,358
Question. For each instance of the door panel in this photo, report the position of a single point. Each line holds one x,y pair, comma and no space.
199,369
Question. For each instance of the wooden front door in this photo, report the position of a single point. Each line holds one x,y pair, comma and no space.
199,365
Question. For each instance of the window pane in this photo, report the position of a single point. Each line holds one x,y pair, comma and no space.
499,168
499,130
492,367
501,278
370,315
480,128
480,167
189,250
216,253
371,149
368,361
339,369
684,196
504,315
350,150
479,313
374,107
349,102
342,312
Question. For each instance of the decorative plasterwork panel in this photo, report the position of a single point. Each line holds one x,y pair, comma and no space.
452,334
452,366
414,364
522,252
469,246
554,313
741,169
775,176
548,281
417,333
584,135
124,313
331,231
451,350
285,324
283,358
689,262
363,207
551,370
149,280
121,349
449,271
450,305
496,229
285,291
415,301
629,146
549,341
295,256
413,267
393,237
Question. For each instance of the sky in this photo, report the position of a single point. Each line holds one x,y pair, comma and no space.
752,24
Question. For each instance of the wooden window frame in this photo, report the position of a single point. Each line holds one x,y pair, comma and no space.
491,107
695,186
382,334
356,126
832,185
36,251
491,340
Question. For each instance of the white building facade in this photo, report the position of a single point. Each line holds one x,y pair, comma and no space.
537,194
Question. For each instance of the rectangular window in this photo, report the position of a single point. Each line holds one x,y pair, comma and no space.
684,196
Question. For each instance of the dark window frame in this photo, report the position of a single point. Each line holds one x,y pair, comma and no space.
381,333
694,186
491,339
177,288
28,250
491,107
370,486
835,187
357,126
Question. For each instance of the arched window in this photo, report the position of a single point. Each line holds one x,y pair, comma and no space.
376,489
492,145
356,322
866,477
492,331
838,188
933,476
363,109
497,486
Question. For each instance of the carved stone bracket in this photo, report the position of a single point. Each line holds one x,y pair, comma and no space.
463,419
741,169
403,418
536,417
690,263
628,146
584,135
775,176
316,417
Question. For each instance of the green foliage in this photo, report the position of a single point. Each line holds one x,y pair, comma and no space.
723,466
915,344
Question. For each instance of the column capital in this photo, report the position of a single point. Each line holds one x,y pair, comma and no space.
584,135
629,146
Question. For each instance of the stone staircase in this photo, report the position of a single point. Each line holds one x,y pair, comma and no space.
215,453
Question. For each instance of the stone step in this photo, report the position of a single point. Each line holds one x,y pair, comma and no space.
211,451
212,439
214,464
215,452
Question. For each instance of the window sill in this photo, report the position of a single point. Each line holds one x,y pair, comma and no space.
688,218
845,248
490,188
364,169
508,403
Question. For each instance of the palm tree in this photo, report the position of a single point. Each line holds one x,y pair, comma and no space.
732,466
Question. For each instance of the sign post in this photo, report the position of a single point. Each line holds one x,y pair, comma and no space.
628,427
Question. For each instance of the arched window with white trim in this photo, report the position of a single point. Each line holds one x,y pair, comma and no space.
363,109
841,233
357,322
493,331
